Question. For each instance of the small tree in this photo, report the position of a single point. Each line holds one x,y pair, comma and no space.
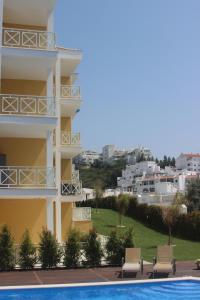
7,257
27,252
114,249
116,245
98,187
128,238
92,249
49,252
122,205
72,249
169,215
193,195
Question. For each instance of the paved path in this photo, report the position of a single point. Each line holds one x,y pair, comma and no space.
85,275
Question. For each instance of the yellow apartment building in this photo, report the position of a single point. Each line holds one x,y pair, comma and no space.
39,186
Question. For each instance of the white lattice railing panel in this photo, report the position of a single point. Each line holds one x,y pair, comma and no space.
28,39
70,92
71,187
81,214
70,139
27,105
27,177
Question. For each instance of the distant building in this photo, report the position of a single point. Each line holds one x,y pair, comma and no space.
188,161
87,157
108,152
134,156
129,175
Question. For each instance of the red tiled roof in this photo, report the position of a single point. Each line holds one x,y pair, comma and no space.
191,154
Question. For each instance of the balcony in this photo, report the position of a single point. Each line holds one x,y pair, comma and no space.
27,105
70,92
69,144
27,181
70,139
70,98
26,116
71,188
81,214
31,39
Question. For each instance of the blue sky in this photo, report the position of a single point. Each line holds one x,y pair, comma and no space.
140,73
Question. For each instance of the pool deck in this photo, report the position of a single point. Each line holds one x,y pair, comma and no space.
62,276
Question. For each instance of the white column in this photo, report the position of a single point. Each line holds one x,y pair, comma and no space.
50,24
58,154
50,218
58,221
49,137
58,128
50,29
1,28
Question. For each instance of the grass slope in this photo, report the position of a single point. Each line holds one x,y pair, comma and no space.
105,220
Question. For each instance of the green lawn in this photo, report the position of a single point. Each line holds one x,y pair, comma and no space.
105,220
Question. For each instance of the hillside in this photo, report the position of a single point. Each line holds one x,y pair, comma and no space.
104,174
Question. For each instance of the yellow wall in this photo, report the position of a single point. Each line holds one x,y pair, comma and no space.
24,152
83,226
20,215
66,219
21,26
23,87
66,80
66,169
66,124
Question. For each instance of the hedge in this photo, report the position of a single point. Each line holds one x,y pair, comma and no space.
187,226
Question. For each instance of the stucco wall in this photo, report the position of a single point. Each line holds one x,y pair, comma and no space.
23,87
83,226
24,152
20,215
66,219
66,124
22,26
66,169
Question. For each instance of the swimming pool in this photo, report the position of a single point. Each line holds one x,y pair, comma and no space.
174,290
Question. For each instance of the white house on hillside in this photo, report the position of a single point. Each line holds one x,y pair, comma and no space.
188,161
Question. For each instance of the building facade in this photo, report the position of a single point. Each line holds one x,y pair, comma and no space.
87,157
38,185
135,155
188,161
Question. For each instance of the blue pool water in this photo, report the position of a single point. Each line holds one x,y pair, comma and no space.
187,290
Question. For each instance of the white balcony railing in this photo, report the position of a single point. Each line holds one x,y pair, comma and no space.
70,139
27,177
71,187
70,92
27,105
32,39
81,214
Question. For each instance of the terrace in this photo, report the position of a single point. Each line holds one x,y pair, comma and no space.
63,276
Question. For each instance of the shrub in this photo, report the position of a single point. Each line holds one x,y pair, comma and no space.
114,249
92,248
128,239
7,257
72,250
27,252
116,245
49,252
